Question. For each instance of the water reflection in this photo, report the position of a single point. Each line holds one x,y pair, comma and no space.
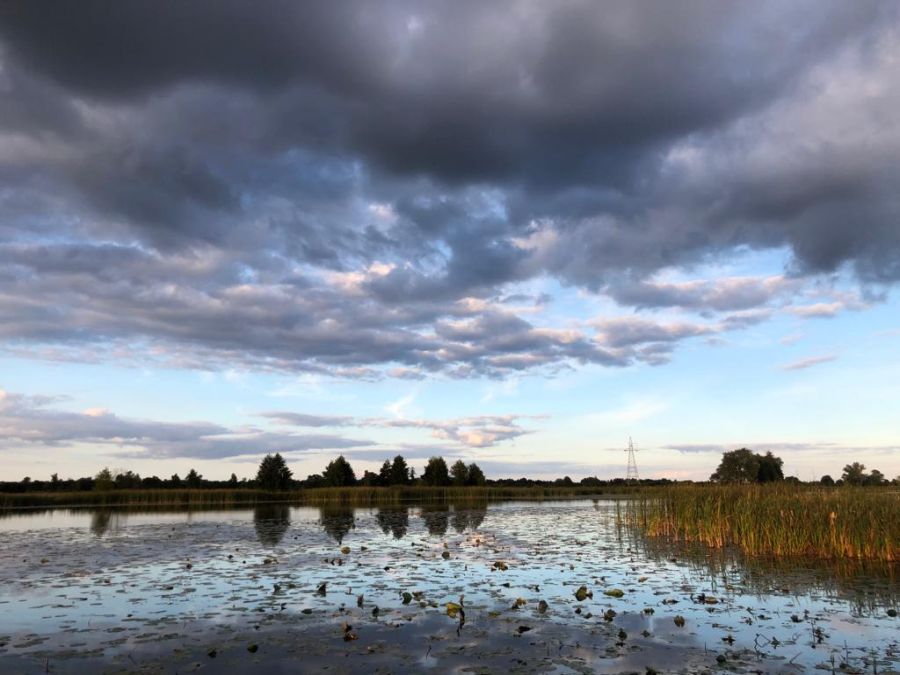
437,519
271,522
337,521
468,517
104,520
865,585
393,520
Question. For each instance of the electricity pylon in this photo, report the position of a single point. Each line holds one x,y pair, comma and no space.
632,463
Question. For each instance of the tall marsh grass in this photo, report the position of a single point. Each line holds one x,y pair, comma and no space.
779,520
350,496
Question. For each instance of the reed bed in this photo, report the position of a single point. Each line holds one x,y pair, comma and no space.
349,496
777,520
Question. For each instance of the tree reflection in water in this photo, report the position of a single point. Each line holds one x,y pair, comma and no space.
271,522
468,516
337,521
393,520
437,519
102,520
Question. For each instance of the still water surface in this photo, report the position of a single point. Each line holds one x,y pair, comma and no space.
273,589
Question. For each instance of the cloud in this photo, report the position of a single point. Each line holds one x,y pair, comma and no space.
786,447
33,421
300,207
481,431
721,295
809,362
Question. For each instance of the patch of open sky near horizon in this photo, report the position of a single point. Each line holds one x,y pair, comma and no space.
722,392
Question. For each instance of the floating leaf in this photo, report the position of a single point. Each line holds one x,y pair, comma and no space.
614,592
252,648
583,593
679,621
453,609
407,597
345,550
543,606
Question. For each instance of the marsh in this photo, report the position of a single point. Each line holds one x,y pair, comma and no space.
280,589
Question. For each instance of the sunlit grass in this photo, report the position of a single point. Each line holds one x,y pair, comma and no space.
779,520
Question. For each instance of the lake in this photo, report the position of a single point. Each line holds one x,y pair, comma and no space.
277,588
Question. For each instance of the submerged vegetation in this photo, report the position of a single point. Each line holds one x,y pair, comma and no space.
779,520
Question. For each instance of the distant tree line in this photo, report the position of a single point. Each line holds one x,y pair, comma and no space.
745,466
737,466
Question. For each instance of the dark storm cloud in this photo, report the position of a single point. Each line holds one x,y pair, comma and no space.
328,187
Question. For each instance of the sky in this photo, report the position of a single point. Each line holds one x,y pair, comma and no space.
516,233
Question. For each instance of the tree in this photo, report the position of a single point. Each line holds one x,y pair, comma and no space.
384,474
737,466
194,480
436,472
459,472
339,473
827,480
127,479
369,479
273,473
875,478
104,479
175,480
314,480
233,481
54,481
854,474
399,472
769,468
475,475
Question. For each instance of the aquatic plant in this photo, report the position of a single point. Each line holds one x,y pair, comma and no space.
779,520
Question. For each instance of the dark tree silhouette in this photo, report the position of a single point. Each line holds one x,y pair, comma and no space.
769,469
399,471
737,466
855,474
474,475
193,479
273,473
436,472
339,473
459,473
384,474
103,480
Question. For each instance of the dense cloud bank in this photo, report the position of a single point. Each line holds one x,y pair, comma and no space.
365,189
